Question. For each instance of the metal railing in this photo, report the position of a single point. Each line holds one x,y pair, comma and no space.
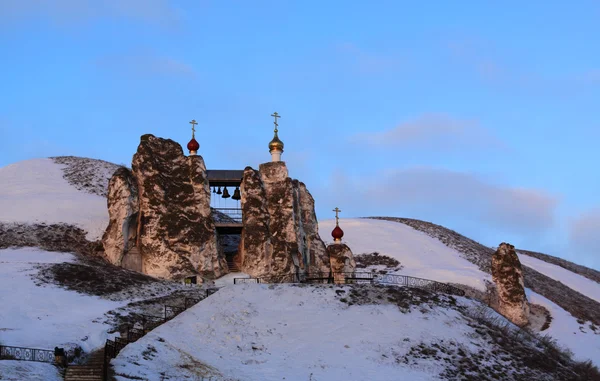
227,215
26,354
357,278
113,347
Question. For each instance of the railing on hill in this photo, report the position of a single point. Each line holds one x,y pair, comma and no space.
148,323
26,354
227,215
358,277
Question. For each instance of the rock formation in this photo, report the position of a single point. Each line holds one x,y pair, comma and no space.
508,277
280,235
175,231
342,261
122,199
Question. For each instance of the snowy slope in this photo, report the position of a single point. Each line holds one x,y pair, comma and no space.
35,191
426,257
257,332
11,370
577,282
268,333
421,255
47,316
583,341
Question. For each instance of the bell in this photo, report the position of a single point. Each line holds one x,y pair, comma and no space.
236,194
219,191
214,190
225,193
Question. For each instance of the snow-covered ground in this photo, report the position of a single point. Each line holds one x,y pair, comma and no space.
11,370
421,255
35,191
577,282
275,332
581,340
47,316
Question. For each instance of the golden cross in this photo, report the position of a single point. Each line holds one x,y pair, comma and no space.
337,218
193,123
275,115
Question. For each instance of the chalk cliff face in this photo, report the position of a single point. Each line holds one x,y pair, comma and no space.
314,253
280,234
175,231
255,254
508,276
342,261
122,200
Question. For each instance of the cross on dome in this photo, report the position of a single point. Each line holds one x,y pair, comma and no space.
193,123
193,146
337,232
276,116
337,215
276,145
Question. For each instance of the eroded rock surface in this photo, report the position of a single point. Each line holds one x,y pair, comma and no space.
280,233
255,253
508,277
342,261
174,227
122,200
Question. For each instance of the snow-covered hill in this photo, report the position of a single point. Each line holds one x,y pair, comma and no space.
434,252
327,332
420,255
54,299
57,191
59,204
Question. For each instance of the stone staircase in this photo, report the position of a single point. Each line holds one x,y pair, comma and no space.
233,267
91,371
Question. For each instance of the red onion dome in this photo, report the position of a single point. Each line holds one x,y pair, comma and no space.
193,145
337,233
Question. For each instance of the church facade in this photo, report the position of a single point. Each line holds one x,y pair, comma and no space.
161,222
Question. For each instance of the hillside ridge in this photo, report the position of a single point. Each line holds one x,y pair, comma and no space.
577,304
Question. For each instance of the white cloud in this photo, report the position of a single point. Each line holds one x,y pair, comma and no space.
436,131
439,194
584,234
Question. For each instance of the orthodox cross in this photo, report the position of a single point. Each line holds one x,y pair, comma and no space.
275,115
337,217
193,123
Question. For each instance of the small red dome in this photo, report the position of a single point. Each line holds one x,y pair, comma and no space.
193,145
337,233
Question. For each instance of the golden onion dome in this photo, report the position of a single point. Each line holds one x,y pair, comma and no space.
275,144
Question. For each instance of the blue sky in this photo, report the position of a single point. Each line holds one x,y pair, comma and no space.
480,117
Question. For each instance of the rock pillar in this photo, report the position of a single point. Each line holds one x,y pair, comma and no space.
122,199
341,261
508,277
280,235
174,228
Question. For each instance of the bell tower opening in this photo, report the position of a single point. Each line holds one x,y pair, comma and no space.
226,209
